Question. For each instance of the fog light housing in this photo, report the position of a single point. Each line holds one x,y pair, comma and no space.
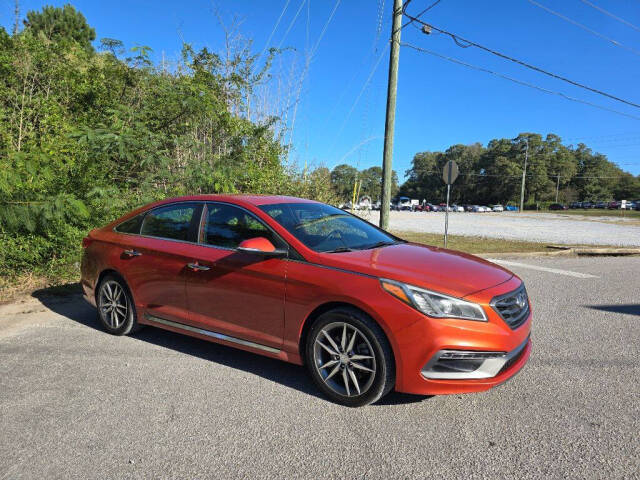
469,364
458,364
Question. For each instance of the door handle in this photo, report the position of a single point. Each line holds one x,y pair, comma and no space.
132,253
198,268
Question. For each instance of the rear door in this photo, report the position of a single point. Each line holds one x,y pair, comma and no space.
236,293
155,262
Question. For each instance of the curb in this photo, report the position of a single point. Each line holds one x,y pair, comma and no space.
568,251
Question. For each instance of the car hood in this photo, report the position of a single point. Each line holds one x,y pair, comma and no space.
446,271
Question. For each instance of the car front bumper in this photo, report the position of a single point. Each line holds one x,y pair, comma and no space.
499,351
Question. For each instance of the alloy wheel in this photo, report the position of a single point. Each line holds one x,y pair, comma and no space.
344,359
113,304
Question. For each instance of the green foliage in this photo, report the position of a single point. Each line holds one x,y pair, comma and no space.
61,25
86,136
493,174
343,179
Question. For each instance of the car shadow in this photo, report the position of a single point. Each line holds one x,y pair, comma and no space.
626,309
293,376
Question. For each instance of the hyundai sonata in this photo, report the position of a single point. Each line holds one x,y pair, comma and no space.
307,283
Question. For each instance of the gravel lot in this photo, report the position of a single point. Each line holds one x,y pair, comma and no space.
76,402
534,227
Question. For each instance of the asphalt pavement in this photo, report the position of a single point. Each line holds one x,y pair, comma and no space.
76,402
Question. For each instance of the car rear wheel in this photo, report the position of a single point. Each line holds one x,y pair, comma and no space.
349,357
116,311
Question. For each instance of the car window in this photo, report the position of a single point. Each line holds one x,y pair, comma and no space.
324,228
131,226
228,226
172,222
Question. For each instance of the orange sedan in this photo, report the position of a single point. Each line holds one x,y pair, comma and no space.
307,283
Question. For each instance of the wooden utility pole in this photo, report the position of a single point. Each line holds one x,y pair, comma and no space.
389,126
557,187
524,174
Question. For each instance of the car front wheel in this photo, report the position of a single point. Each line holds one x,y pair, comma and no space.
349,357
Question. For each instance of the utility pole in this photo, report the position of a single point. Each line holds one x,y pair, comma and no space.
524,174
389,126
557,187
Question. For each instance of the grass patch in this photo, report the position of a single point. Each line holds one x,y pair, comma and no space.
593,212
61,280
474,244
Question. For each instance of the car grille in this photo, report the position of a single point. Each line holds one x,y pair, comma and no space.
513,307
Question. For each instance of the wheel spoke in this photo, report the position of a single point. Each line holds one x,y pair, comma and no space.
352,342
108,292
113,319
121,309
332,373
345,377
343,340
330,363
333,344
361,357
331,352
354,380
361,367
117,293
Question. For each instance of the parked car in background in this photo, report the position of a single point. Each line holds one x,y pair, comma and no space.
511,208
588,205
575,205
557,206
457,208
601,205
498,208
304,282
477,208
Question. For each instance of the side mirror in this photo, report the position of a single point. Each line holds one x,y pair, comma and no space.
260,246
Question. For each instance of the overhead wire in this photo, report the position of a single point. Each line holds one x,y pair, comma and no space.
292,23
458,39
615,17
273,31
519,82
585,28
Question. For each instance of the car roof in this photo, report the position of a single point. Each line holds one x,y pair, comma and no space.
239,199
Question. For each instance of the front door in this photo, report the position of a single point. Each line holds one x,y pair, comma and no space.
236,293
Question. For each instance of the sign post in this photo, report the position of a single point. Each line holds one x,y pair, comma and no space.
449,176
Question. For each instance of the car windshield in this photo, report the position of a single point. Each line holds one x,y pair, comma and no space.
324,228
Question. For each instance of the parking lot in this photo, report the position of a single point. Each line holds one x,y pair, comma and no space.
532,227
76,402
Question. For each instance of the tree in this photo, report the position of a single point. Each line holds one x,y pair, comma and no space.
343,178
61,25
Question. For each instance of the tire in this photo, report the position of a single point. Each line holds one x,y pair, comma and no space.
119,317
352,369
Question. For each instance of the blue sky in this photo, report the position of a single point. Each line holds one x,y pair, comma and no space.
439,103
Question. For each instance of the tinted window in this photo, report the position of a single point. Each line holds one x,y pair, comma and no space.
130,226
228,226
171,222
324,228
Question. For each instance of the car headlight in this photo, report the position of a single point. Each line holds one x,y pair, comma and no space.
434,304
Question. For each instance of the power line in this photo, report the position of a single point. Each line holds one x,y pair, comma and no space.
584,27
468,43
364,86
273,31
295,17
519,82
615,17
420,14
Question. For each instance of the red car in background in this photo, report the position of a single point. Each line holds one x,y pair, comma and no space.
307,283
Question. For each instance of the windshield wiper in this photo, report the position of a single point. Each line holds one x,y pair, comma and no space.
379,244
339,250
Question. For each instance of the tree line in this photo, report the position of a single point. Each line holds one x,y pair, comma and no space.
493,174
